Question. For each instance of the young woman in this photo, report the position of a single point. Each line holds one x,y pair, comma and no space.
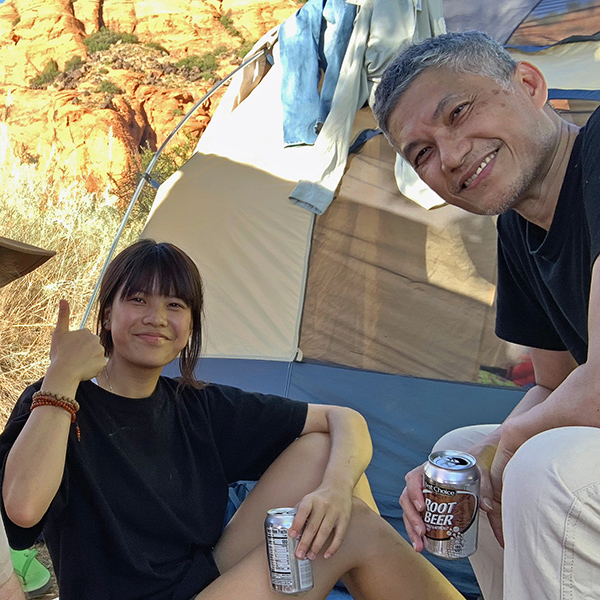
126,472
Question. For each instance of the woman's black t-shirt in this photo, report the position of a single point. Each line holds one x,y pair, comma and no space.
143,497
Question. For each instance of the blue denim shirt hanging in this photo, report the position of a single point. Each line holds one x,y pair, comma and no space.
312,41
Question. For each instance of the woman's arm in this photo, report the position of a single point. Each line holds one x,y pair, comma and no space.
327,509
35,463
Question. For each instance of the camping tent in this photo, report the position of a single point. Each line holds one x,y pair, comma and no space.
374,301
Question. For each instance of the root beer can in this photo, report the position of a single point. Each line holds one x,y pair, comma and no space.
451,493
289,575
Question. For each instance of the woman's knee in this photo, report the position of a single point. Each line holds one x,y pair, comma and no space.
312,449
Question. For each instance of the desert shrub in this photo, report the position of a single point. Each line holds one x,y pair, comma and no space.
206,62
172,158
227,23
73,63
244,48
156,46
108,87
105,38
47,76
80,227
246,45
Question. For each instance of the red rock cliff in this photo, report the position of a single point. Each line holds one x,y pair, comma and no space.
89,120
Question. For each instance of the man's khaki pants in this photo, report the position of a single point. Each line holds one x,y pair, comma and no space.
551,518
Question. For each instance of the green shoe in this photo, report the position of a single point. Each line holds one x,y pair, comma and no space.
32,574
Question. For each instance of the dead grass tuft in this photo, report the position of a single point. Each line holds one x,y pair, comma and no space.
80,227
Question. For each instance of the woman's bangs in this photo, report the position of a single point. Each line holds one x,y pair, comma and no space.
159,274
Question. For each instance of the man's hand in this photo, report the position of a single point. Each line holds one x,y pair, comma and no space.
490,496
413,505
413,501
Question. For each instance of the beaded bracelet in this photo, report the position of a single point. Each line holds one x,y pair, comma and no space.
40,400
44,394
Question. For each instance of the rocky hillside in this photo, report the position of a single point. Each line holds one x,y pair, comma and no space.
85,83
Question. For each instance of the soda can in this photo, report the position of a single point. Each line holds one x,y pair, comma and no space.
451,493
289,575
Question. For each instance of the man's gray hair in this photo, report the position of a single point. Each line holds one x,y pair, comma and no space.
472,52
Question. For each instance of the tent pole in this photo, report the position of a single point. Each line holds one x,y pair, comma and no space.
264,51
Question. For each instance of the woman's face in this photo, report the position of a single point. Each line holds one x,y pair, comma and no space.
148,330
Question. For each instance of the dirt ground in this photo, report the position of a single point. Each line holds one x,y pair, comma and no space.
44,558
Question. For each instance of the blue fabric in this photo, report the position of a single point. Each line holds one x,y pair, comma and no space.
237,494
362,138
312,41
574,94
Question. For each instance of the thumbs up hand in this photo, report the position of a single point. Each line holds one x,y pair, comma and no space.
77,355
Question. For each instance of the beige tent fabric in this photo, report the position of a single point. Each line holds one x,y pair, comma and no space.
228,208
395,288
574,66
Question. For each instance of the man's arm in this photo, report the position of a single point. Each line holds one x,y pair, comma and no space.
574,401
551,369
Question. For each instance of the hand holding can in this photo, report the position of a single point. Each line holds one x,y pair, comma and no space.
451,492
289,574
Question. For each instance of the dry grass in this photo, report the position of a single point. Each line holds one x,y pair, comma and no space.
80,227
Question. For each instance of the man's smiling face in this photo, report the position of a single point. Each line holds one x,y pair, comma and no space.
481,147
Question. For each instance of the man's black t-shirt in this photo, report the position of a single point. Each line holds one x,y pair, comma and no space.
544,277
143,497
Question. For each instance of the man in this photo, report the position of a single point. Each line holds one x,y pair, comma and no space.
477,128
16,259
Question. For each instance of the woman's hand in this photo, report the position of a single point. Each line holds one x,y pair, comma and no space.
327,510
75,356
322,512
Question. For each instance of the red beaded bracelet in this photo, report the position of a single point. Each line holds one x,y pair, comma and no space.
44,394
52,401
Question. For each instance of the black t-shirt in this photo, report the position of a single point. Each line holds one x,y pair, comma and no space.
143,497
544,277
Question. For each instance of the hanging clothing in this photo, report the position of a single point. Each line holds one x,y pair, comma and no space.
312,43
380,30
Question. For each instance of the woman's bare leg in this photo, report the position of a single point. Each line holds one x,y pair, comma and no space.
374,561
296,472
377,562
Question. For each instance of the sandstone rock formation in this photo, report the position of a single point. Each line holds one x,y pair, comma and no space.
90,121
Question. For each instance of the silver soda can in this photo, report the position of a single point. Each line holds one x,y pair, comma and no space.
451,493
289,575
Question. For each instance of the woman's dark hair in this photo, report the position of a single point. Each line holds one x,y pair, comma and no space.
155,267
